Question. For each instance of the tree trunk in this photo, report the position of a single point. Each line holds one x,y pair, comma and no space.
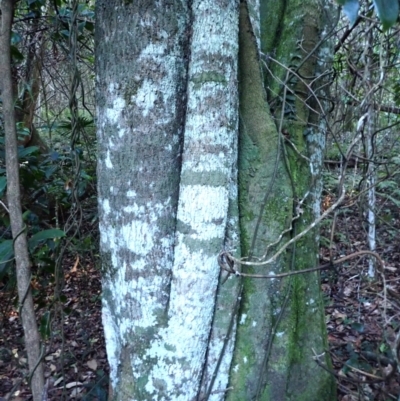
167,124
277,362
18,227
169,202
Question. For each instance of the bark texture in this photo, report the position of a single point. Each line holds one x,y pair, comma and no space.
276,362
265,197
171,198
141,73
167,125
207,159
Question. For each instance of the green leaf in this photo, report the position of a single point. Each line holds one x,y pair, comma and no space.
6,253
383,348
15,38
350,9
388,12
358,327
89,26
44,327
23,152
3,185
16,54
44,235
65,33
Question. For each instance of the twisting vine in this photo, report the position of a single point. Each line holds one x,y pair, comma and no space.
74,221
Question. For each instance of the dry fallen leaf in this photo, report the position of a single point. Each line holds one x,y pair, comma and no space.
75,266
75,393
73,384
347,291
58,381
338,315
92,364
388,370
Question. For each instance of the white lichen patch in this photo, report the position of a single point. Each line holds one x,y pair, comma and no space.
153,49
201,208
108,160
106,206
111,88
191,305
145,97
157,208
137,210
138,236
207,162
112,342
139,302
113,114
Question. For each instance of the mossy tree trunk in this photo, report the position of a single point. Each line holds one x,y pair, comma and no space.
172,197
281,323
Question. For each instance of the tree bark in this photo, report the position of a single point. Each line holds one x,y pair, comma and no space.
18,228
141,73
293,330
170,202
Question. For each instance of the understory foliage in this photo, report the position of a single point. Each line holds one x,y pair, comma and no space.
362,158
57,143
53,71
52,74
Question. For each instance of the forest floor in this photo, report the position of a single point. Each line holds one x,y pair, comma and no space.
362,316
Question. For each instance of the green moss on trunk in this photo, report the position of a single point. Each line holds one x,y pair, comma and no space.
280,322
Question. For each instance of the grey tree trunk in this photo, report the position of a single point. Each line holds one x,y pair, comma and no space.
167,120
171,207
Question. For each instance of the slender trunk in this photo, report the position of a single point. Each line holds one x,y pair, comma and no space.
371,183
18,228
369,138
